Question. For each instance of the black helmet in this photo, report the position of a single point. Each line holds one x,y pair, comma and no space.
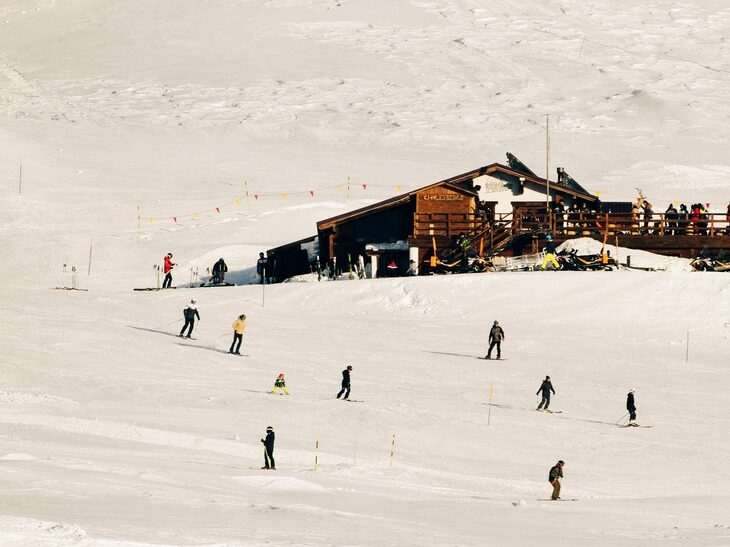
349,367
269,429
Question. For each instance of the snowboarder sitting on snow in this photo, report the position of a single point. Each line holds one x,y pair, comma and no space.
546,387
496,335
219,271
550,253
190,313
269,449
345,383
167,268
556,473
239,326
631,407
280,385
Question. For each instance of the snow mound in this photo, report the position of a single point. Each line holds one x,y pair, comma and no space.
641,259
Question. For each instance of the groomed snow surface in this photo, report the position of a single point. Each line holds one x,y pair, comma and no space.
114,428
113,431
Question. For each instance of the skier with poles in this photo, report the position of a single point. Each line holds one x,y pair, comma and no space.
556,473
496,335
239,326
280,385
167,268
190,313
631,407
546,387
269,449
345,383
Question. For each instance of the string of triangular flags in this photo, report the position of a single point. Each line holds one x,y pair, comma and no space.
257,196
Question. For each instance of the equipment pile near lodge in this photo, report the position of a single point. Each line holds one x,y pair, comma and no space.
502,211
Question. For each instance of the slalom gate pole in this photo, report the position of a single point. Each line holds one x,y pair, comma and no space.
316,452
392,451
489,417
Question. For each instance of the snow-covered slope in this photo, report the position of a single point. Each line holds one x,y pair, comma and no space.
135,120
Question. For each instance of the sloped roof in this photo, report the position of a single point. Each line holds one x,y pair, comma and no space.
450,183
517,169
572,188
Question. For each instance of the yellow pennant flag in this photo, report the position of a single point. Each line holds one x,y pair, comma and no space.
398,187
339,187
238,202
196,215
284,196
151,220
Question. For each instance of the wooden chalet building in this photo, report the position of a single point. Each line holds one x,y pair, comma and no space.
503,209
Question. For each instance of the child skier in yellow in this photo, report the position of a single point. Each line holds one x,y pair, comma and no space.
280,385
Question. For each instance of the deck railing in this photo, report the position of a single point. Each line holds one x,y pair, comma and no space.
488,226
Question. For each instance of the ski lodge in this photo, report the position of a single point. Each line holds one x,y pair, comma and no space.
503,209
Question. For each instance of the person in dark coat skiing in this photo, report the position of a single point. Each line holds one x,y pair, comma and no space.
167,268
219,272
556,473
190,313
268,443
496,335
546,387
631,407
345,383
262,268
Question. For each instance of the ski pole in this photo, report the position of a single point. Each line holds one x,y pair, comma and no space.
622,418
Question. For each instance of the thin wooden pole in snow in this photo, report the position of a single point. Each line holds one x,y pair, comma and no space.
392,451
139,223
316,452
91,247
547,167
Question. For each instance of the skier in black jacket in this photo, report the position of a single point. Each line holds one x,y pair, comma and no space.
190,313
631,407
546,387
219,272
345,383
269,449
496,335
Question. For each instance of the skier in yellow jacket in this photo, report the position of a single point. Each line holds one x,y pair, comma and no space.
280,385
239,325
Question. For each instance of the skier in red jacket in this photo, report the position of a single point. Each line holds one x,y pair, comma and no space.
168,266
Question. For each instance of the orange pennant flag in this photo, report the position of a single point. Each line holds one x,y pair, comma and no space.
311,193
174,219
364,186
218,209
